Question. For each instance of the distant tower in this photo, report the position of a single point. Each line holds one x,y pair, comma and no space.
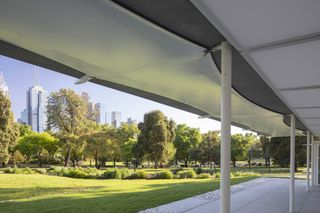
116,118
100,110
24,116
36,105
3,86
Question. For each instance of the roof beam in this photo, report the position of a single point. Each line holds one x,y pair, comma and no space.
300,88
283,43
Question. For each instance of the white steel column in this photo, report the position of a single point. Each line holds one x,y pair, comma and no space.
225,127
292,162
312,161
308,160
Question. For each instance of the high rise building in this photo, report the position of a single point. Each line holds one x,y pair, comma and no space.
3,86
24,116
131,121
36,106
100,111
116,118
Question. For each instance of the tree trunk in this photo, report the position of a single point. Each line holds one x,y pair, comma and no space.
186,163
67,159
114,162
249,163
96,160
234,163
211,172
156,164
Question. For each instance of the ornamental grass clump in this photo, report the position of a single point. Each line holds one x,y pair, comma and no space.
116,173
165,174
203,176
140,174
187,174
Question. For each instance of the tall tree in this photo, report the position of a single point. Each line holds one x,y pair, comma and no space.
210,148
9,130
252,146
157,135
128,134
67,113
99,144
280,151
239,148
186,139
265,149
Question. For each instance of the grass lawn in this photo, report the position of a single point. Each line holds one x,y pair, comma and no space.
42,193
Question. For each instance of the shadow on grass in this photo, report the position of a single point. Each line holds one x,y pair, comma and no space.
104,200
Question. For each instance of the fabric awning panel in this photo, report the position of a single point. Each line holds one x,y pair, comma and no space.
104,40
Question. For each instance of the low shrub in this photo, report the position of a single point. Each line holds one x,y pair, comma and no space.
187,174
165,174
116,173
199,170
58,170
76,173
140,174
216,175
203,176
16,170
42,171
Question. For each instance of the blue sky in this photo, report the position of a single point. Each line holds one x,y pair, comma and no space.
20,76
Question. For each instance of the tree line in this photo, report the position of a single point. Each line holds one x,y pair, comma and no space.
72,136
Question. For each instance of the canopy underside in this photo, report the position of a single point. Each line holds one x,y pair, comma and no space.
124,51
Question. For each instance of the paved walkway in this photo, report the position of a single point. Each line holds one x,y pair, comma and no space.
263,195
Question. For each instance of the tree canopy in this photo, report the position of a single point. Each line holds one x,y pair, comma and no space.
9,130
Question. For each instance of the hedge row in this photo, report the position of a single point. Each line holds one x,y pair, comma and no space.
93,173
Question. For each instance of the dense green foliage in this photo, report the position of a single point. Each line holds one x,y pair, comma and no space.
156,137
186,139
38,146
9,130
67,113
280,151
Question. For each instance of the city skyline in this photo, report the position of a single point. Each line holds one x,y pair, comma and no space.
130,106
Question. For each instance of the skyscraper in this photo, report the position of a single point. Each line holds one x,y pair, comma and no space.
36,106
3,86
131,121
116,118
24,116
100,110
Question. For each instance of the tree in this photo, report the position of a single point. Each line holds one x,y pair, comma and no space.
157,135
24,130
38,146
280,151
98,146
239,148
210,148
253,147
67,113
9,130
186,139
127,134
265,149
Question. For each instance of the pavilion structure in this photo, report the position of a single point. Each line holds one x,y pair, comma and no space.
252,64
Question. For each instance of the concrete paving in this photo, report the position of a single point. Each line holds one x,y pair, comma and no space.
264,195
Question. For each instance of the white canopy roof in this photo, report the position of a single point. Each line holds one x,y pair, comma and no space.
281,40
124,51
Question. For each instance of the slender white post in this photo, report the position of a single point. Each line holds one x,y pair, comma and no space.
225,127
308,160
292,162
313,163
